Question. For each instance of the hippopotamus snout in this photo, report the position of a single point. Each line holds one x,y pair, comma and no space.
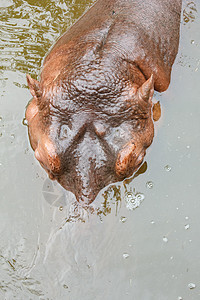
87,170
92,163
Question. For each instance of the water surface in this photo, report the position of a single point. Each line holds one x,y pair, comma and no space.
140,239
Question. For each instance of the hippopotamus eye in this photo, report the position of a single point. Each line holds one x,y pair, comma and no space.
64,132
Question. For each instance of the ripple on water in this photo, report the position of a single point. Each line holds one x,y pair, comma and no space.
36,26
6,3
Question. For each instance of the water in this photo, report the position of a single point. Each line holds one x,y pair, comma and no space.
50,248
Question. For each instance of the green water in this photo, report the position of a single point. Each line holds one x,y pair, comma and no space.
140,239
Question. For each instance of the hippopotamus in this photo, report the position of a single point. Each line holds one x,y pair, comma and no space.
90,119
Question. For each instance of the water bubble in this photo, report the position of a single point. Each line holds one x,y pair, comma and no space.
165,239
191,286
180,298
123,219
25,122
61,208
152,222
65,286
168,168
89,267
12,136
192,42
186,218
133,200
26,151
125,255
129,195
149,184
1,118
187,226
139,197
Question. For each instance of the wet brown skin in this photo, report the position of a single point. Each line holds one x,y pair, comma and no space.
90,120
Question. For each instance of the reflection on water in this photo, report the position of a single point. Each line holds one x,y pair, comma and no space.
112,196
140,238
29,28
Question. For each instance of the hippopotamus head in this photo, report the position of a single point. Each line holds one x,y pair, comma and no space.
89,129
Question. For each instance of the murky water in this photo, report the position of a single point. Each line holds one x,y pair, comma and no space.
140,239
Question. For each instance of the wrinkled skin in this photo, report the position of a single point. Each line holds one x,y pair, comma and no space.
90,120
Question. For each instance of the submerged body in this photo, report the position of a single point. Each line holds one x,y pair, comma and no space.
90,120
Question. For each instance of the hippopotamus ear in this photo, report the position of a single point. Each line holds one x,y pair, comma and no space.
145,92
34,87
